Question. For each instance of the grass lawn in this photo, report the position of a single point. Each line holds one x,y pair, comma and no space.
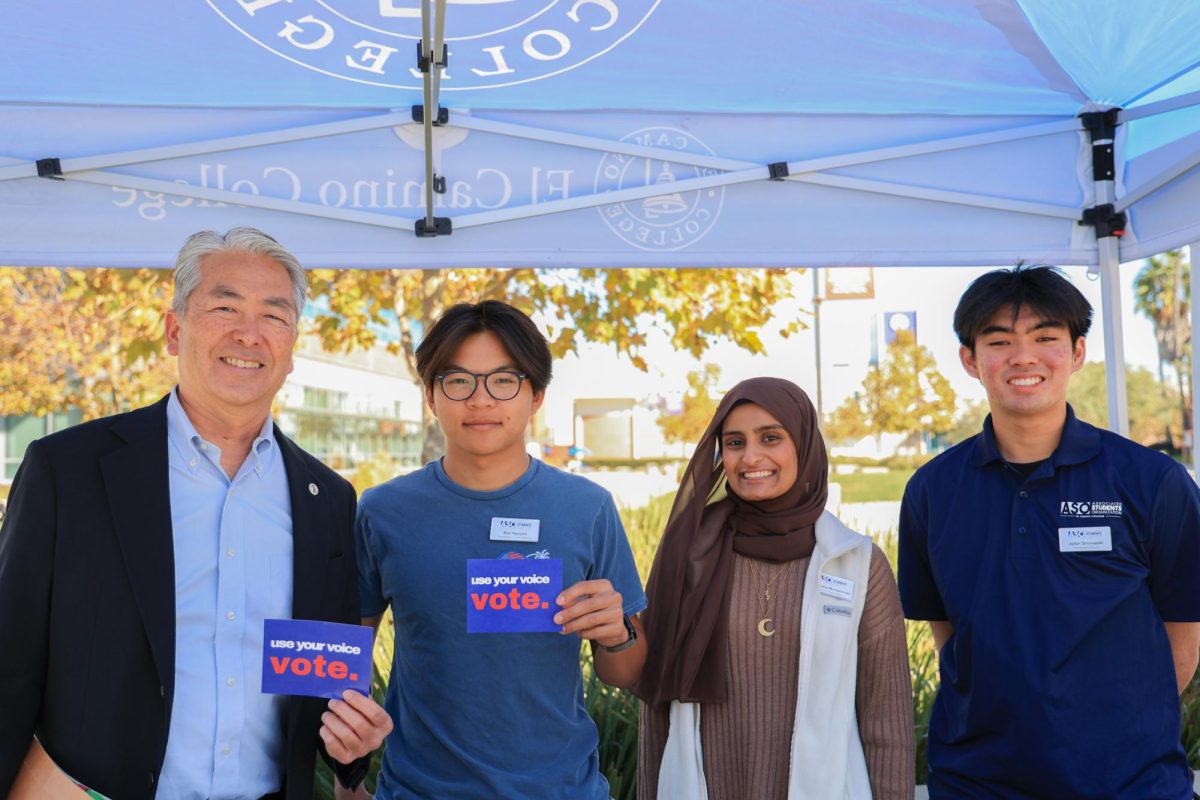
873,487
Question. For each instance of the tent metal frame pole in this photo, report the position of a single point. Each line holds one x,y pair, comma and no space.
757,173
735,171
432,58
28,169
938,195
1109,251
431,110
207,146
438,61
1194,257
1161,106
762,173
485,125
1114,337
1107,164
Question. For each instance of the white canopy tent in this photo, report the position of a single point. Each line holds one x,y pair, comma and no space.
607,133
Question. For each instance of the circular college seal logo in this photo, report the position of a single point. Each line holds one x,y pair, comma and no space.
672,220
491,42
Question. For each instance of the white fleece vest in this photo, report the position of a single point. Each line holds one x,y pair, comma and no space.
827,756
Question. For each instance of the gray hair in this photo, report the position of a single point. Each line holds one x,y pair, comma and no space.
241,239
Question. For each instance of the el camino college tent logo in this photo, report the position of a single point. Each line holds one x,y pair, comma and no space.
672,220
494,43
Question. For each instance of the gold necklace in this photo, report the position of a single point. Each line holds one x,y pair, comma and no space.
765,602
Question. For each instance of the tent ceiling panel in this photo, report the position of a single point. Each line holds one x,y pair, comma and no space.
867,101
839,56
679,197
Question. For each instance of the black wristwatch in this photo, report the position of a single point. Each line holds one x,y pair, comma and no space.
628,643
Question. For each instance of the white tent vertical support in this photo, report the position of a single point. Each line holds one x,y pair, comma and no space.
1114,336
1103,145
816,276
1194,255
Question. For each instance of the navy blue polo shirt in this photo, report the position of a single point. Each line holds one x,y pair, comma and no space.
1058,681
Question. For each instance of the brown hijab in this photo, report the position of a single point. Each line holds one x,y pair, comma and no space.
687,622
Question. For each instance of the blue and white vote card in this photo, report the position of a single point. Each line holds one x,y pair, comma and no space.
516,595
317,659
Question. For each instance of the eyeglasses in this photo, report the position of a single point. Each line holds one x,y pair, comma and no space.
501,384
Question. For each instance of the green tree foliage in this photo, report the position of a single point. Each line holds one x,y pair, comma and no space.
968,422
1161,293
1152,405
699,405
86,339
695,308
904,394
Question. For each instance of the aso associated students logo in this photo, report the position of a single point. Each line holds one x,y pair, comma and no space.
672,220
491,42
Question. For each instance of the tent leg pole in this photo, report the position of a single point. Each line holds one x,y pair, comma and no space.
1114,355
1194,255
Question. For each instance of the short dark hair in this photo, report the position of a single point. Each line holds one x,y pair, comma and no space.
525,344
1044,289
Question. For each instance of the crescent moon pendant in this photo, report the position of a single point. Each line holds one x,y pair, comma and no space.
763,630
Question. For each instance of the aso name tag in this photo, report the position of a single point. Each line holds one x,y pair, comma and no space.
513,595
317,659
511,529
833,586
1085,540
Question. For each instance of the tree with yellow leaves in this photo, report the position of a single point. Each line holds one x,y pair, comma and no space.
618,307
85,339
696,410
904,394
93,339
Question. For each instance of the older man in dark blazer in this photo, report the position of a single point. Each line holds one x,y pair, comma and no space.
141,553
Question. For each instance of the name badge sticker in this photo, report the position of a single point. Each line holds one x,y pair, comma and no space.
317,659
511,529
1085,540
839,588
517,595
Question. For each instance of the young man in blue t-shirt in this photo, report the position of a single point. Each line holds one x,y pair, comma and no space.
497,714
1056,564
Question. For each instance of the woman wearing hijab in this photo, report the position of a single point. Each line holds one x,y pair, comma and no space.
779,669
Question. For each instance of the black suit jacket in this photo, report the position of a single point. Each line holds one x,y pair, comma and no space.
87,602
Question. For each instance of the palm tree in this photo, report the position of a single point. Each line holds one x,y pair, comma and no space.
1162,292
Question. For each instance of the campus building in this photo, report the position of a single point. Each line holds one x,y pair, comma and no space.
344,409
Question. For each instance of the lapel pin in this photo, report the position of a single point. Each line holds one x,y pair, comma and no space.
312,489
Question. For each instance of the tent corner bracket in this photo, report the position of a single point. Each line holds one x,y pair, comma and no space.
778,170
50,168
424,62
441,227
1105,219
442,118
1102,127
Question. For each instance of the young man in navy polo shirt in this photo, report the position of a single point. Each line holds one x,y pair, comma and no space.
1058,567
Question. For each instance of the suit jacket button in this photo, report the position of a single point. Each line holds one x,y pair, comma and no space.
312,489
151,777
162,691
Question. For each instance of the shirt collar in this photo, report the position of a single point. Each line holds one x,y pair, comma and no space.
1080,442
183,436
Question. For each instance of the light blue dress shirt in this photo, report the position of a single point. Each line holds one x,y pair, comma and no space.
233,569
